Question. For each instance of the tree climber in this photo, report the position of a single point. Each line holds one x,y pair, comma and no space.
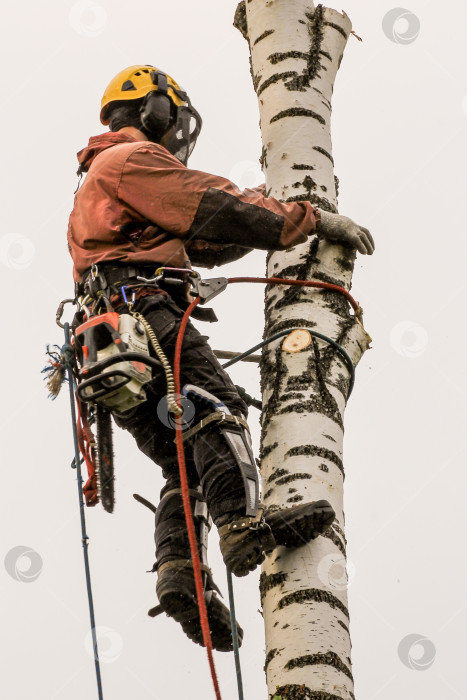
141,208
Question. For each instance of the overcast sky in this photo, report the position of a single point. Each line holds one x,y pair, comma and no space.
399,136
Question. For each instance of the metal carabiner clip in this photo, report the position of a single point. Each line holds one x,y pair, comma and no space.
122,289
59,314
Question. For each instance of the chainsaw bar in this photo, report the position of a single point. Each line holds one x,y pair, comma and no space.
105,458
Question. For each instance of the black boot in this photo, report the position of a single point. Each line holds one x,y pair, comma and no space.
175,586
245,541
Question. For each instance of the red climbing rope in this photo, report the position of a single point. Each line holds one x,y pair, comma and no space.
300,283
86,442
181,453
203,614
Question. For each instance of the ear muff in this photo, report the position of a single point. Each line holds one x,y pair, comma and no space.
156,114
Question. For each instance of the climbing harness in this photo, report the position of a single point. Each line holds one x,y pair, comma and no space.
101,383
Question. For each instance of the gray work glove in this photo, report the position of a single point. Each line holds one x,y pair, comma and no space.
341,229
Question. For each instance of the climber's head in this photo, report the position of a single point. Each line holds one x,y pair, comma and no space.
152,102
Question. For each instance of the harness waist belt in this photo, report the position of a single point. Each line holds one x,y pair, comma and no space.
115,274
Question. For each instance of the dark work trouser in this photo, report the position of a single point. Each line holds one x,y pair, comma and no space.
209,461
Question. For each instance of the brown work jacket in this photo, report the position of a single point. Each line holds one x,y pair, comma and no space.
139,204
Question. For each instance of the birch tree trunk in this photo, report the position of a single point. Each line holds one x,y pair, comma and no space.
296,50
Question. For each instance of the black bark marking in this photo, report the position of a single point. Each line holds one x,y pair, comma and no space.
268,493
240,22
313,595
326,54
314,451
323,468
327,403
315,405
312,58
308,183
256,81
291,295
275,58
299,382
298,112
302,692
269,657
316,200
324,152
268,32
292,477
347,262
295,499
290,323
323,402
272,376
277,473
330,658
276,78
268,582
344,626
335,539
337,28
329,437
266,451
323,188
264,157
302,166
291,395
315,30
292,491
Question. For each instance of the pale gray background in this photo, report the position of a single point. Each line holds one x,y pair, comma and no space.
399,133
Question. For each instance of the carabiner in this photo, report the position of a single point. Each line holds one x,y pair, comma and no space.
122,289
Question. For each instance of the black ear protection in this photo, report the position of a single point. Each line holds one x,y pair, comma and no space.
156,112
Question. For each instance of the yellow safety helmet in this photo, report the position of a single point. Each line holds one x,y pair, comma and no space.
135,82
157,113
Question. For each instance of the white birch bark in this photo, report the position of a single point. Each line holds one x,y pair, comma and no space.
295,52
